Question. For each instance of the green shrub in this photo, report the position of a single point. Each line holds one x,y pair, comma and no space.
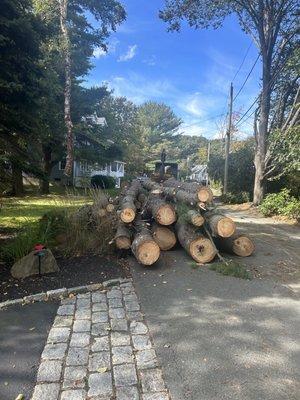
236,198
103,182
281,203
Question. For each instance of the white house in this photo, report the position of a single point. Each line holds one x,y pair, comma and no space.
83,171
199,174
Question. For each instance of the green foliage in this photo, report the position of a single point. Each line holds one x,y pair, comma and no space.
236,198
281,203
103,182
240,167
231,268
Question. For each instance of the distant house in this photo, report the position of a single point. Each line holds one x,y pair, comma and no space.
83,171
199,174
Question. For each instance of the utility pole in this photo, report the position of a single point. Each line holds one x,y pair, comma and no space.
227,144
208,152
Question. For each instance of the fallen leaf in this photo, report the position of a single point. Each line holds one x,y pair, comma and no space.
6,383
32,329
102,370
20,397
189,290
167,345
165,282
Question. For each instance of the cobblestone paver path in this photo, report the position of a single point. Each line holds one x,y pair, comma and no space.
99,348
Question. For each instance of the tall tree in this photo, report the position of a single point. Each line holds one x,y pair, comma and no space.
21,32
78,39
272,25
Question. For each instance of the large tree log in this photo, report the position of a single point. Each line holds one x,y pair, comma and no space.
204,193
123,236
128,208
195,218
239,244
144,247
200,248
163,212
163,236
220,225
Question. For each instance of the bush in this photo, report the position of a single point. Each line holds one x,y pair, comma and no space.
236,198
103,182
281,203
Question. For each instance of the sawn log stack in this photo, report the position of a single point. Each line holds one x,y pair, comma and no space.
153,217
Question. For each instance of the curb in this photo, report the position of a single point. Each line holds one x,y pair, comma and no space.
59,294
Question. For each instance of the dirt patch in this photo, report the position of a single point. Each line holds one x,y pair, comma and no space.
73,272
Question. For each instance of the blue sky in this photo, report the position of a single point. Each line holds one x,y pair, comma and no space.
190,71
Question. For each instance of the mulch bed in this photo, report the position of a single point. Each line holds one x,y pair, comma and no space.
73,272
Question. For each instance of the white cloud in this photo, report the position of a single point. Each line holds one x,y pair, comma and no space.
111,49
130,53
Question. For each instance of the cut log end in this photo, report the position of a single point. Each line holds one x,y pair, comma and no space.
164,237
102,212
127,215
197,220
226,227
148,252
243,246
202,250
165,215
205,194
110,208
123,243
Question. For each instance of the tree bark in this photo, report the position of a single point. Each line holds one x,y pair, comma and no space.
144,248
195,218
163,212
17,180
63,6
262,132
128,208
239,244
200,248
220,225
123,237
163,236
204,193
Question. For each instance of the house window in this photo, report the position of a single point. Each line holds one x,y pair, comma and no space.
84,166
62,165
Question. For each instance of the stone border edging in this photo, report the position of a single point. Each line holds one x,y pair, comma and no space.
58,294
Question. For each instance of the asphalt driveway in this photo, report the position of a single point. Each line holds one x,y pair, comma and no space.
23,332
221,338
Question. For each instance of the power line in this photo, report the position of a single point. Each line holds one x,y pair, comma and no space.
205,120
242,63
247,77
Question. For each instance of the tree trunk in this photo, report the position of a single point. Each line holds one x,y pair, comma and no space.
262,133
17,180
200,248
204,193
47,165
239,244
163,212
195,218
220,225
163,236
145,249
128,208
123,237
63,5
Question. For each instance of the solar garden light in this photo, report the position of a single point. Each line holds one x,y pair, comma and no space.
39,252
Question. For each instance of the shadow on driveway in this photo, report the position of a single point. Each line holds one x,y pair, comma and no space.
23,333
221,338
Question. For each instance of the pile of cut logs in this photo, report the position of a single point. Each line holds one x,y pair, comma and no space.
153,216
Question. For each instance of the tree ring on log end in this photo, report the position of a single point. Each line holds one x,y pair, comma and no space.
127,215
164,237
205,195
165,215
202,250
225,227
148,252
243,246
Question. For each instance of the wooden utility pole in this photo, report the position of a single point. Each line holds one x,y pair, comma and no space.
227,144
